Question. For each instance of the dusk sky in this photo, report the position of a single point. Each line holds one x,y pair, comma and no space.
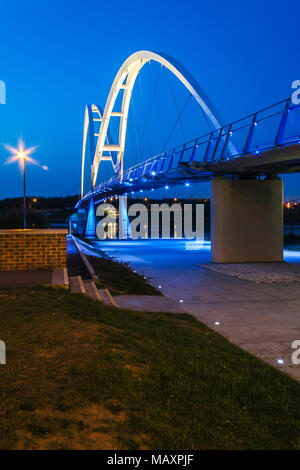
58,56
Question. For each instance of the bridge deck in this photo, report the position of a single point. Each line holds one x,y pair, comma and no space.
266,142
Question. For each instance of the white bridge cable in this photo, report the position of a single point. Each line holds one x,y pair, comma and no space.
176,106
135,127
146,121
175,125
162,130
150,108
207,120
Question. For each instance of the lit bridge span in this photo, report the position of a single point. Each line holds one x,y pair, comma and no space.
242,159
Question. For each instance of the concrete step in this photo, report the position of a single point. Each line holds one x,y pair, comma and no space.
108,298
60,277
76,285
88,287
92,290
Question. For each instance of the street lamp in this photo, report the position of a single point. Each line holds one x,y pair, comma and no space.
22,155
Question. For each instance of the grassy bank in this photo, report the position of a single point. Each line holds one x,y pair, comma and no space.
119,278
81,375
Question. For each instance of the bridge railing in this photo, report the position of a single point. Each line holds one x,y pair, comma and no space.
275,126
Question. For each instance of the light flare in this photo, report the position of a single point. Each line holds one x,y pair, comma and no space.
20,154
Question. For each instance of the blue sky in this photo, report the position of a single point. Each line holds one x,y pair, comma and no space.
57,56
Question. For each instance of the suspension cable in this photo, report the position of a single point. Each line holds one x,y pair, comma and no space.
178,119
162,131
176,106
207,120
144,107
150,107
135,128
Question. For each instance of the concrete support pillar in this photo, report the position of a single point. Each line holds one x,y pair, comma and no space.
90,228
246,220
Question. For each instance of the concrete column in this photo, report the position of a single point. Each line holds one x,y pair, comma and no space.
90,228
246,220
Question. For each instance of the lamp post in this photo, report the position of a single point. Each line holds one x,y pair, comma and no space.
22,157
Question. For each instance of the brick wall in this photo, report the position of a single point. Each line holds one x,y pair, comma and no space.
32,249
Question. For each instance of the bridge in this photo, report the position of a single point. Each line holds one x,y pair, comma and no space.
241,159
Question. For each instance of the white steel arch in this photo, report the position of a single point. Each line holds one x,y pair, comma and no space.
124,81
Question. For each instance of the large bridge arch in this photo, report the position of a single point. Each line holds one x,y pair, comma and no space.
125,80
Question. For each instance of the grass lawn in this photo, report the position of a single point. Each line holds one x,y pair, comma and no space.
119,278
81,375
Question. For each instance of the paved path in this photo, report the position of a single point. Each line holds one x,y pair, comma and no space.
75,264
264,319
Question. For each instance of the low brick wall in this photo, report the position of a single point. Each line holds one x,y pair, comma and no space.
32,249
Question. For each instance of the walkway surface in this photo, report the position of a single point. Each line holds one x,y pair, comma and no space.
74,263
263,318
